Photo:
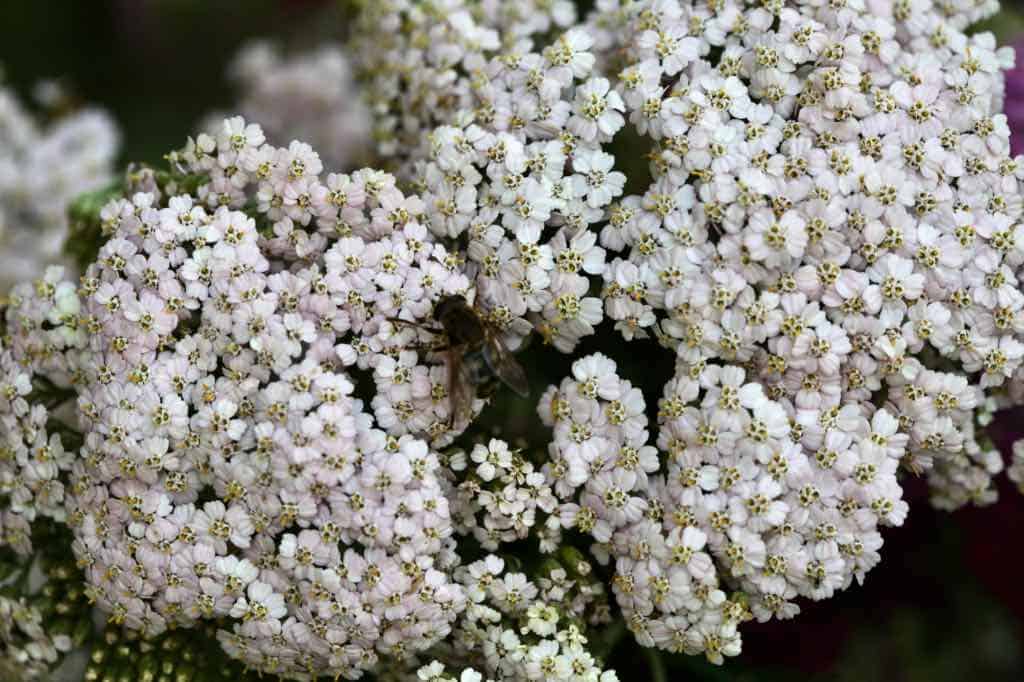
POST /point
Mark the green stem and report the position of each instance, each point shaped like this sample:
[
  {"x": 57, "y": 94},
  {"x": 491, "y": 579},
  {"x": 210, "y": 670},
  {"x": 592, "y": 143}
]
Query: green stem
[
  {"x": 656, "y": 664},
  {"x": 609, "y": 639}
]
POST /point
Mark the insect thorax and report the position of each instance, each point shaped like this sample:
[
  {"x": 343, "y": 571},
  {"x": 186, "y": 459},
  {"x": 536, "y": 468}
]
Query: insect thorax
[{"x": 460, "y": 321}]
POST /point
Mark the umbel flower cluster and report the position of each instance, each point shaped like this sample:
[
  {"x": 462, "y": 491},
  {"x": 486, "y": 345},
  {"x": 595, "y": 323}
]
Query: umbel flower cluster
[{"x": 257, "y": 413}]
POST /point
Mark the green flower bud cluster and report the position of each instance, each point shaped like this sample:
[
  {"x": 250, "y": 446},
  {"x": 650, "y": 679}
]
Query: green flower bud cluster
[
  {"x": 178, "y": 656},
  {"x": 62, "y": 602}
]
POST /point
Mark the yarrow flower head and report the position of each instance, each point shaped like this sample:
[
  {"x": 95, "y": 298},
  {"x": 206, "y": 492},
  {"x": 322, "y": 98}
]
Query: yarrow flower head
[
  {"x": 279, "y": 372},
  {"x": 227, "y": 468}
]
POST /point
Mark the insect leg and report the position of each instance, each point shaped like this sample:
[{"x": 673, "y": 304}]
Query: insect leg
[{"x": 418, "y": 325}]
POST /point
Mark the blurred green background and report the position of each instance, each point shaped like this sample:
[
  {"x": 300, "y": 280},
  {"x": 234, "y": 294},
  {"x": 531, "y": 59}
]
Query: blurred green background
[
  {"x": 947, "y": 603},
  {"x": 157, "y": 65}
]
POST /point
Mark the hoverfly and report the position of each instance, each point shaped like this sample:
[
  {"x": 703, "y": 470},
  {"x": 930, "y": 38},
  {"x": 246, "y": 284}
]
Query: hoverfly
[{"x": 475, "y": 353}]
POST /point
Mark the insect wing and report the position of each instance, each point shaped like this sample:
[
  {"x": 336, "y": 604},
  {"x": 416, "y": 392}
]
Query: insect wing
[
  {"x": 461, "y": 390},
  {"x": 504, "y": 365}
]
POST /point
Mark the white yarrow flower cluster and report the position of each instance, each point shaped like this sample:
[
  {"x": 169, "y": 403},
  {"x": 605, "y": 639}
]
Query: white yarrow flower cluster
[
  {"x": 832, "y": 207},
  {"x": 829, "y": 243},
  {"x": 32, "y": 457},
  {"x": 227, "y": 472},
  {"x": 421, "y": 59},
  {"x": 27, "y": 650},
  {"x": 521, "y": 180},
  {"x": 517, "y": 628}
]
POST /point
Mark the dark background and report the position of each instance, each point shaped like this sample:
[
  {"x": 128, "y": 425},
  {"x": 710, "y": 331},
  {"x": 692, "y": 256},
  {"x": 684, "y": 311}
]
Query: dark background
[
  {"x": 945, "y": 605},
  {"x": 158, "y": 66}
]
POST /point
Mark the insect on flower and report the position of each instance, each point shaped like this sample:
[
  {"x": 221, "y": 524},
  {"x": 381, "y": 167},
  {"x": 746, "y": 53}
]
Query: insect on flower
[{"x": 476, "y": 355}]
